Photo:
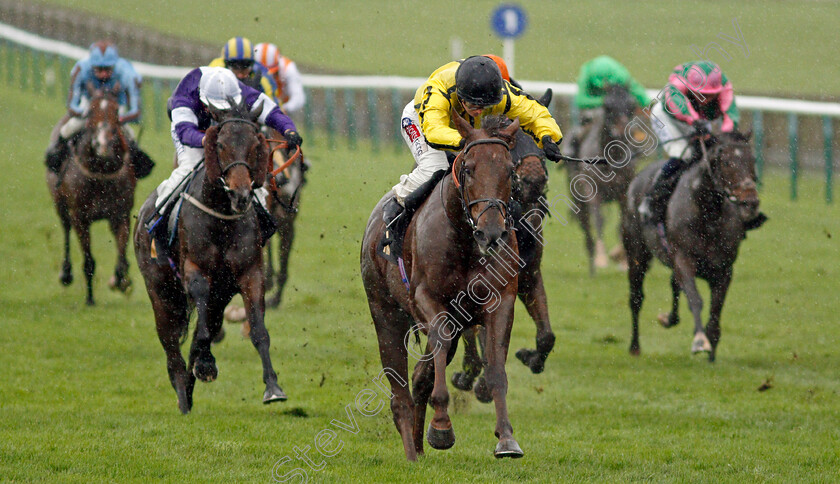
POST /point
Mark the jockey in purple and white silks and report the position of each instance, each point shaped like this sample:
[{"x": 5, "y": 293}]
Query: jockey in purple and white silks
[
  {"x": 205, "y": 86},
  {"x": 697, "y": 95}
]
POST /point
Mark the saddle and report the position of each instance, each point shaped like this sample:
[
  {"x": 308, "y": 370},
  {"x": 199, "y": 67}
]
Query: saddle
[{"x": 390, "y": 246}]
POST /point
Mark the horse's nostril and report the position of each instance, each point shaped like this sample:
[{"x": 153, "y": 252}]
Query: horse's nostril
[
  {"x": 504, "y": 235},
  {"x": 480, "y": 235}
]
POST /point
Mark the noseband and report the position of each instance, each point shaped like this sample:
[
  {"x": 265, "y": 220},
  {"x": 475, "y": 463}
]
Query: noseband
[
  {"x": 236, "y": 163},
  {"x": 459, "y": 178}
]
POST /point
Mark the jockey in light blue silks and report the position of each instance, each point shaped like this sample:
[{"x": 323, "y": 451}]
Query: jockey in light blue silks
[{"x": 103, "y": 70}]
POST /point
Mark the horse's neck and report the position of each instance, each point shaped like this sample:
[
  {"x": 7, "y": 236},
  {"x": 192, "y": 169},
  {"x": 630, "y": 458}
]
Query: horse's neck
[
  {"x": 453, "y": 208},
  {"x": 702, "y": 188}
]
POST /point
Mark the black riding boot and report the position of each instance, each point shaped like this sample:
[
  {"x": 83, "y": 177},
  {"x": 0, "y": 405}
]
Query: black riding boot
[
  {"x": 663, "y": 186},
  {"x": 141, "y": 161},
  {"x": 267, "y": 224},
  {"x": 57, "y": 153},
  {"x": 391, "y": 211}
]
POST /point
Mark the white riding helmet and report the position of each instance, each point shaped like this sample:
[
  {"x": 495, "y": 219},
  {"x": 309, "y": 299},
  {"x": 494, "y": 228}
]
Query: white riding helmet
[{"x": 217, "y": 84}]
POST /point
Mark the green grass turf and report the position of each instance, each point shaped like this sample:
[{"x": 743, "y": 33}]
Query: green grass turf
[
  {"x": 786, "y": 39},
  {"x": 84, "y": 395}
]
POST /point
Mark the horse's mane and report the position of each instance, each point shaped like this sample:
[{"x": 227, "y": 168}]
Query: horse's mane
[{"x": 494, "y": 124}]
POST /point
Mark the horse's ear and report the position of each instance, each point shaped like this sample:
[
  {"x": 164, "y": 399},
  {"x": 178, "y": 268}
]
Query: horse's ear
[
  {"x": 262, "y": 162},
  {"x": 211, "y": 154},
  {"x": 748, "y": 135},
  {"x": 215, "y": 112},
  {"x": 461, "y": 124},
  {"x": 545, "y": 100},
  {"x": 255, "y": 111},
  {"x": 116, "y": 89},
  {"x": 510, "y": 132}
]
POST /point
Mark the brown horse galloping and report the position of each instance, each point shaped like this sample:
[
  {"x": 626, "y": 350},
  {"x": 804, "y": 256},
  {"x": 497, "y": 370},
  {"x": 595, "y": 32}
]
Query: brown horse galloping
[
  {"x": 218, "y": 254},
  {"x": 705, "y": 221},
  {"x": 97, "y": 182},
  {"x": 459, "y": 239}
]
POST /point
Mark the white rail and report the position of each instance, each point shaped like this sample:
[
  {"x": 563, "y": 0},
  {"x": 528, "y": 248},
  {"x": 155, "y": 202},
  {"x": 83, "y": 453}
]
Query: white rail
[{"x": 36, "y": 42}]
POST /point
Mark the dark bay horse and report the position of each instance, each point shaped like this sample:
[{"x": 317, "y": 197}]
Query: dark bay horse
[
  {"x": 610, "y": 183},
  {"x": 284, "y": 207},
  {"x": 96, "y": 182},
  {"x": 705, "y": 222},
  {"x": 529, "y": 185},
  {"x": 458, "y": 256},
  {"x": 217, "y": 255}
]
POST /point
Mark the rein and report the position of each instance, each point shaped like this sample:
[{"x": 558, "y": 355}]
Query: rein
[
  {"x": 272, "y": 181},
  {"x": 466, "y": 204}
]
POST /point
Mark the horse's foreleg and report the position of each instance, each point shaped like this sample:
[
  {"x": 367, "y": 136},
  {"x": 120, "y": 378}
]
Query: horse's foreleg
[
  {"x": 443, "y": 334},
  {"x": 120, "y": 228},
  {"x": 583, "y": 217},
  {"x": 251, "y": 285},
  {"x": 202, "y": 364},
  {"x": 83, "y": 232},
  {"x": 66, "y": 275},
  {"x": 636, "y": 274},
  {"x": 463, "y": 380},
  {"x": 673, "y": 318},
  {"x": 499, "y": 323},
  {"x": 532, "y": 294},
  {"x": 720, "y": 286},
  {"x": 685, "y": 269},
  {"x": 601, "y": 260},
  {"x": 171, "y": 316}
]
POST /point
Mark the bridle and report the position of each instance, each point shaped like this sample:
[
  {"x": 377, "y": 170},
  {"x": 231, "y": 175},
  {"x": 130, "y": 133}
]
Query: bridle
[
  {"x": 222, "y": 180},
  {"x": 272, "y": 179},
  {"x": 717, "y": 186},
  {"x": 459, "y": 179}
]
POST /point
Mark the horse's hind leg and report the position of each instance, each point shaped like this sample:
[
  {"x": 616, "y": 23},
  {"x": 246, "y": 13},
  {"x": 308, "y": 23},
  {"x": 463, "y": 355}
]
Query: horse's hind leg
[
  {"x": 673, "y": 318},
  {"x": 463, "y": 380},
  {"x": 83, "y": 232},
  {"x": 720, "y": 285},
  {"x": 251, "y": 287},
  {"x": 532, "y": 294},
  {"x": 120, "y": 228},
  {"x": 286, "y": 237},
  {"x": 391, "y": 332},
  {"x": 269, "y": 266}
]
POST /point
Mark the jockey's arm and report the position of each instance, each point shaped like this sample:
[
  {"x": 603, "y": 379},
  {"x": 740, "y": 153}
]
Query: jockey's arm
[
  {"x": 132, "y": 94},
  {"x": 677, "y": 105},
  {"x": 293, "y": 89},
  {"x": 271, "y": 115},
  {"x": 185, "y": 125},
  {"x": 728, "y": 109},
  {"x": 534, "y": 118},
  {"x": 77, "y": 90}
]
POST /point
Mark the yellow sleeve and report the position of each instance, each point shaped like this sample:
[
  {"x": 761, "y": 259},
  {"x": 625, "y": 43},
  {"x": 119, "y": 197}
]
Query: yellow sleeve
[
  {"x": 435, "y": 119},
  {"x": 534, "y": 118}
]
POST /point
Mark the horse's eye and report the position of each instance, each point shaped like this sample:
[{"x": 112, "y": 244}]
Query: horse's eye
[{"x": 467, "y": 170}]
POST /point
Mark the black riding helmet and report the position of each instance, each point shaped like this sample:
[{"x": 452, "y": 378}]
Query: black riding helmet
[{"x": 478, "y": 81}]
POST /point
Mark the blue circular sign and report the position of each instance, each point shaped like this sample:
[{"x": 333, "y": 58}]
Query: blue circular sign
[{"x": 509, "y": 20}]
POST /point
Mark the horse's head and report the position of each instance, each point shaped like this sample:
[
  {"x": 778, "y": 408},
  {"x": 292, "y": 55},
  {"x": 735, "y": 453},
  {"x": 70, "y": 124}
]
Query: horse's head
[
  {"x": 483, "y": 173},
  {"x": 236, "y": 153},
  {"x": 531, "y": 180},
  {"x": 105, "y": 138},
  {"x": 732, "y": 167},
  {"x": 619, "y": 108}
]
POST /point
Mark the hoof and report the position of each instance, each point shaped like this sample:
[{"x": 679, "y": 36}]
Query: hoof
[
  {"x": 90, "y": 302},
  {"x": 440, "y": 439},
  {"x": 273, "y": 301},
  {"x": 235, "y": 314},
  {"x": 123, "y": 284},
  {"x": 635, "y": 350},
  {"x": 531, "y": 359},
  {"x": 462, "y": 381},
  {"x": 219, "y": 336},
  {"x": 183, "y": 407},
  {"x": 205, "y": 370},
  {"x": 668, "y": 320},
  {"x": 508, "y": 448},
  {"x": 273, "y": 393},
  {"x": 482, "y": 391},
  {"x": 66, "y": 275},
  {"x": 700, "y": 344}
]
